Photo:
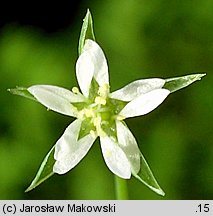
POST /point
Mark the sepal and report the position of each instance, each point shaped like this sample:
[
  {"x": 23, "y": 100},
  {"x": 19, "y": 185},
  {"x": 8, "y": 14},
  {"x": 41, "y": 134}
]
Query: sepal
[
  {"x": 177, "y": 83},
  {"x": 45, "y": 171},
  {"x": 86, "y": 31},
  {"x": 146, "y": 176},
  {"x": 22, "y": 91}
]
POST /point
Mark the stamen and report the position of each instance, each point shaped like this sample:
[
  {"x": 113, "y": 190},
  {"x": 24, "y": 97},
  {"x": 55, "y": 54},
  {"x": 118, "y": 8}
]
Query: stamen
[
  {"x": 93, "y": 133},
  {"x": 101, "y": 133},
  {"x": 75, "y": 90},
  {"x": 81, "y": 114},
  {"x": 103, "y": 91},
  {"x": 120, "y": 117},
  {"x": 100, "y": 100},
  {"x": 97, "y": 123},
  {"x": 89, "y": 113}
]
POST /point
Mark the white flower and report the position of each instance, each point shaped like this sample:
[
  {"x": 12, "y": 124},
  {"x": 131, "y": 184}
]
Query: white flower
[{"x": 99, "y": 113}]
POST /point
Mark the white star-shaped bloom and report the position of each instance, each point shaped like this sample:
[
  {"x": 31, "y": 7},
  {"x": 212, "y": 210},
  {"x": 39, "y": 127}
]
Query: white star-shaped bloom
[{"x": 99, "y": 113}]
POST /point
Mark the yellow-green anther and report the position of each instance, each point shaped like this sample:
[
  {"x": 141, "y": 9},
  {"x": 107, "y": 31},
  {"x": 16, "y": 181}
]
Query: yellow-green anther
[
  {"x": 75, "y": 90},
  {"x": 100, "y": 100},
  {"x": 120, "y": 117},
  {"x": 103, "y": 91}
]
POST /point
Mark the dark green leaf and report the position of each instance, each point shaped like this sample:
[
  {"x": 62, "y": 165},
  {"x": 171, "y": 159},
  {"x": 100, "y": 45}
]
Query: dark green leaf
[
  {"x": 176, "y": 83},
  {"x": 86, "y": 31},
  {"x": 22, "y": 91},
  {"x": 45, "y": 171},
  {"x": 146, "y": 176}
]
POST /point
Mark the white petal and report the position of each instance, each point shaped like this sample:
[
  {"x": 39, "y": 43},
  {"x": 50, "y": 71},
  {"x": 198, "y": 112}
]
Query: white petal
[
  {"x": 129, "y": 145},
  {"x": 115, "y": 158},
  {"x": 56, "y": 98},
  {"x": 69, "y": 150},
  {"x": 91, "y": 62},
  {"x": 84, "y": 72},
  {"x": 144, "y": 103},
  {"x": 136, "y": 88}
]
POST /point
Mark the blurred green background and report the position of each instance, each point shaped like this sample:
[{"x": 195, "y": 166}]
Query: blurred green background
[{"x": 141, "y": 38}]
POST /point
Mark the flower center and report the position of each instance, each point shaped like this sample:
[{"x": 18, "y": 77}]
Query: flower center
[{"x": 99, "y": 113}]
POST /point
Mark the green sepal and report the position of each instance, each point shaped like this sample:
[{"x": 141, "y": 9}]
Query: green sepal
[
  {"x": 117, "y": 105},
  {"x": 86, "y": 31},
  {"x": 176, "y": 83},
  {"x": 93, "y": 90},
  {"x": 86, "y": 127},
  {"x": 22, "y": 91},
  {"x": 45, "y": 171},
  {"x": 146, "y": 176}
]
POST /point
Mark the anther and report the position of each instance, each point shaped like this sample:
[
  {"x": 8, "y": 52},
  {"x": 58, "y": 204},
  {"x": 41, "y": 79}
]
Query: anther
[
  {"x": 103, "y": 90},
  {"x": 93, "y": 133},
  {"x": 75, "y": 90},
  {"x": 120, "y": 117},
  {"x": 100, "y": 100}
]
